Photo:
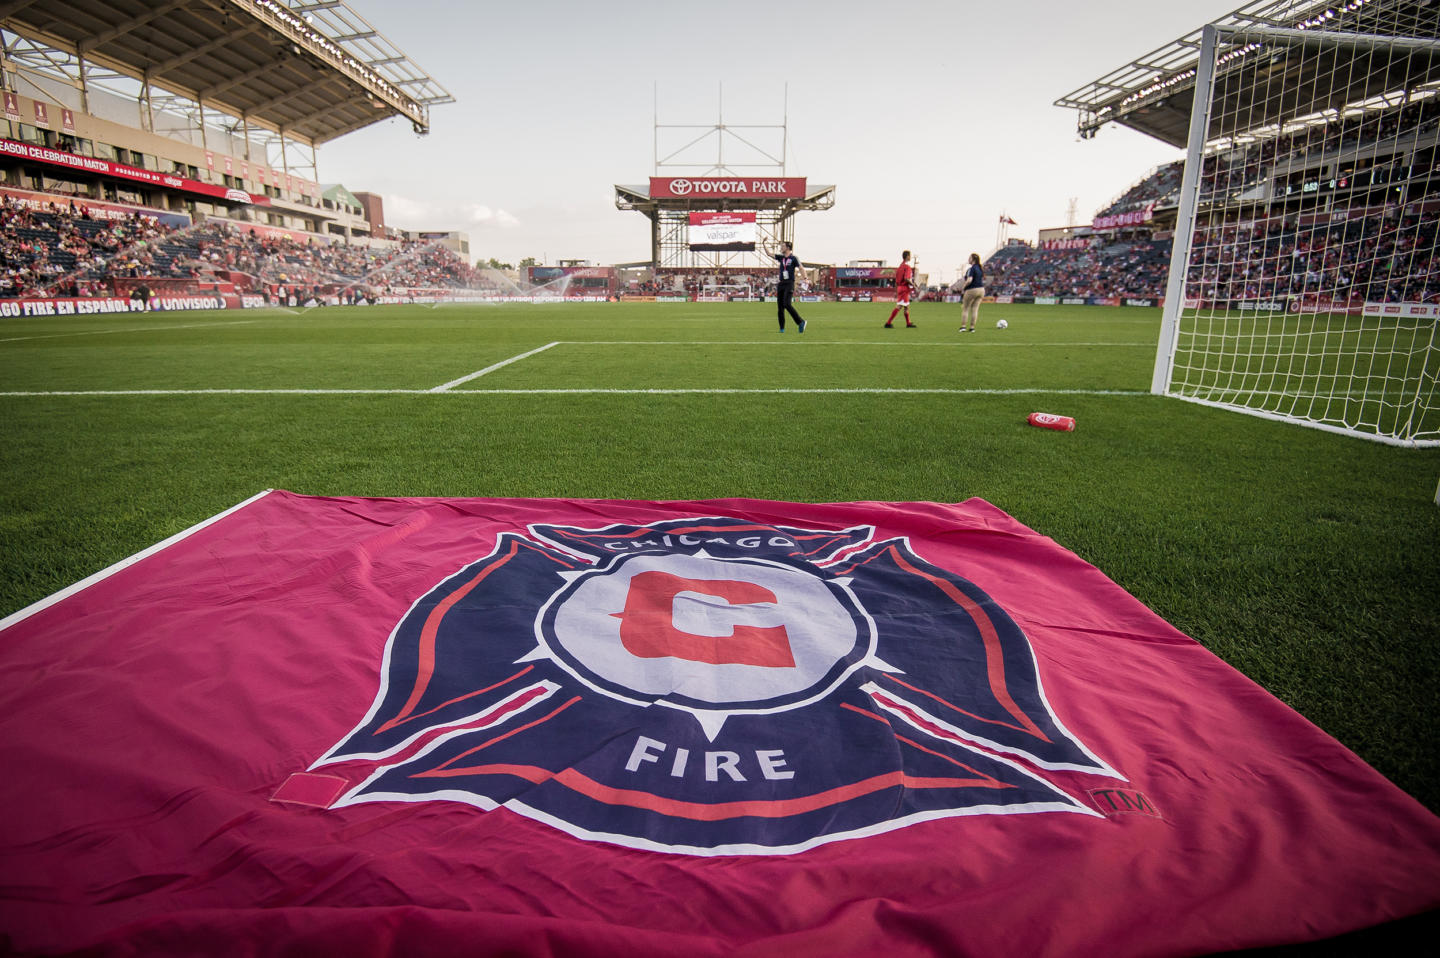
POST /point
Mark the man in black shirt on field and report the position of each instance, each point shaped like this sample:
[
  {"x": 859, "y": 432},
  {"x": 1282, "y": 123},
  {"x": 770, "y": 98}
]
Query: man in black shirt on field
[{"x": 785, "y": 288}]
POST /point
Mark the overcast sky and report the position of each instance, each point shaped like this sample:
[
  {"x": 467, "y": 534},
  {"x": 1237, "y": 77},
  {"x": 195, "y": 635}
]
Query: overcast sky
[{"x": 930, "y": 118}]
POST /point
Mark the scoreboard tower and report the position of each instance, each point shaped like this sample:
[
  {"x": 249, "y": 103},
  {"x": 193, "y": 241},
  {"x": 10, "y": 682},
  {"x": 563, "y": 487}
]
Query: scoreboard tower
[
  {"x": 720, "y": 221},
  {"x": 722, "y": 211}
]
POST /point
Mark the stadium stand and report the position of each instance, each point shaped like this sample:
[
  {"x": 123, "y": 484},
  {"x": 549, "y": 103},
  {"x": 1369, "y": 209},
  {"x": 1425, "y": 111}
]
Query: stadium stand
[
  {"x": 1104, "y": 271},
  {"x": 63, "y": 250},
  {"x": 247, "y": 229},
  {"x": 115, "y": 177},
  {"x": 1370, "y": 257},
  {"x": 1250, "y": 165},
  {"x": 1160, "y": 188}
]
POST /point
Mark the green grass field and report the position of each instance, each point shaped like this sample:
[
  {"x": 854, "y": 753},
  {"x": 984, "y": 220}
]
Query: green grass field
[
  {"x": 1309, "y": 561},
  {"x": 1372, "y": 374}
]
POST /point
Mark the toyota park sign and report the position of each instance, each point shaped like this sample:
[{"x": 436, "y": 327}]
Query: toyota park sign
[{"x": 732, "y": 187}]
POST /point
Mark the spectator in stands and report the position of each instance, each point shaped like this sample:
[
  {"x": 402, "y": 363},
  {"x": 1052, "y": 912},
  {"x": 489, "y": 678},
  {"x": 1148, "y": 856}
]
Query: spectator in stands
[{"x": 1382, "y": 254}]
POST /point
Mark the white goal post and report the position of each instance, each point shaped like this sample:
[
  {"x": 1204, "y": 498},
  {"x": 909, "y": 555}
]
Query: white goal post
[
  {"x": 729, "y": 290},
  {"x": 1304, "y": 283}
]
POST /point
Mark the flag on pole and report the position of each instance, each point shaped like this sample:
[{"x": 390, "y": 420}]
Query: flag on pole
[
  {"x": 1006, "y": 220},
  {"x": 723, "y": 727}
]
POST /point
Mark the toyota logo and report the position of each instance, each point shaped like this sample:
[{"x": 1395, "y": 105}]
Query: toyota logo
[{"x": 681, "y": 187}]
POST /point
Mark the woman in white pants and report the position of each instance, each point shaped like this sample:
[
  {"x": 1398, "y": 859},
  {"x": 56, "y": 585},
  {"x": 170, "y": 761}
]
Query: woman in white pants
[{"x": 972, "y": 291}]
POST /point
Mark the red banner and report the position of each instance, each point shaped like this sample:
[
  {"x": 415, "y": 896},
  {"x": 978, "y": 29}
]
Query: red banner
[
  {"x": 97, "y": 209},
  {"x": 91, "y": 164},
  {"x": 1133, "y": 218},
  {"x": 725, "y": 727},
  {"x": 733, "y": 187},
  {"x": 721, "y": 219},
  {"x": 276, "y": 232},
  {"x": 1395, "y": 310},
  {"x": 89, "y": 306}
]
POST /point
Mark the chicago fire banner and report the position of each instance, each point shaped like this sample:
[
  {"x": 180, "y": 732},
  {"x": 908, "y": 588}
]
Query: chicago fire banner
[{"x": 724, "y": 727}]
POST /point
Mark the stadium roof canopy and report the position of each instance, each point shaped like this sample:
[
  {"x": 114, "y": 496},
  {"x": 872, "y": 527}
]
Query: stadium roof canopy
[
  {"x": 311, "y": 70},
  {"x": 1154, "y": 93}
]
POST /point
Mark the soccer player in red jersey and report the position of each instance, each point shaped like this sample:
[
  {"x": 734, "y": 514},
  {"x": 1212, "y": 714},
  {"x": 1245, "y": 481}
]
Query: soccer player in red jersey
[{"x": 904, "y": 283}]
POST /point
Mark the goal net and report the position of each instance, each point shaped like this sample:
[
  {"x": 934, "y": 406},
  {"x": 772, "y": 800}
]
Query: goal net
[{"x": 1305, "y": 280}]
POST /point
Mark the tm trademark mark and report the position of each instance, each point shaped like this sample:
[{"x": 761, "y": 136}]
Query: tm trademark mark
[{"x": 1120, "y": 801}]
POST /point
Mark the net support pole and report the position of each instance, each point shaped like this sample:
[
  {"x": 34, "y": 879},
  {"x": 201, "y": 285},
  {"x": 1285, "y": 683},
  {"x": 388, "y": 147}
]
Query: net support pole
[{"x": 1185, "y": 216}]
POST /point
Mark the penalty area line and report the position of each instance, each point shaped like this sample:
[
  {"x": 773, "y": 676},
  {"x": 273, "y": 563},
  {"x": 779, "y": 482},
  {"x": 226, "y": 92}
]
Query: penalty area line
[
  {"x": 490, "y": 369},
  {"x": 108, "y": 571}
]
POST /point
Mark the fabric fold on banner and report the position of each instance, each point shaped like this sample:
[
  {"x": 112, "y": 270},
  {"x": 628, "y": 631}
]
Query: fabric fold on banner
[{"x": 327, "y": 725}]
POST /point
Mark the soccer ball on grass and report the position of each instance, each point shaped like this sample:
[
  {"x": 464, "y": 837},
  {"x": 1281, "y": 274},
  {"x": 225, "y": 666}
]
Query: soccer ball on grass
[{"x": 1001, "y": 324}]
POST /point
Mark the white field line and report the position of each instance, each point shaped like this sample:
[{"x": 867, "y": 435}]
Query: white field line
[
  {"x": 448, "y": 388},
  {"x": 962, "y": 344},
  {"x": 718, "y": 391},
  {"x": 108, "y": 571},
  {"x": 864, "y": 390},
  {"x": 490, "y": 369},
  {"x": 129, "y": 329}
]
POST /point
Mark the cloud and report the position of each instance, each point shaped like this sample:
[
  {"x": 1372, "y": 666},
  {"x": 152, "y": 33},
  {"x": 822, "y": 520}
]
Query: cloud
[
  {"x": 410, "y": 213},
  {"x": 403, "y": 210},
  {"x": 482, "y": 215}
]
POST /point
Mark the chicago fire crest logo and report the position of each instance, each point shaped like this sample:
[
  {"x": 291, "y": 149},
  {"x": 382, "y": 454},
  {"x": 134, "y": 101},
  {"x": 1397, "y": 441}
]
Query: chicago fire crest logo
[{"x": 713, "y": 686}]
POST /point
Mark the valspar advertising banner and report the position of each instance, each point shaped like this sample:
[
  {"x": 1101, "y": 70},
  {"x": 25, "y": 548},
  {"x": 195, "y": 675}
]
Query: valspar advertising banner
[
  {"x": 735, "y": 187},
  {"x": 722, "y": 231}
]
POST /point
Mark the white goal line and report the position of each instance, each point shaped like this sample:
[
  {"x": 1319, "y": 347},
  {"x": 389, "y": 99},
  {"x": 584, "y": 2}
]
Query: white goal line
[
  {"x": 815, "y": 341},
  {"x": 580, "y": 391},
  {"x": 449, "y": 387}
]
